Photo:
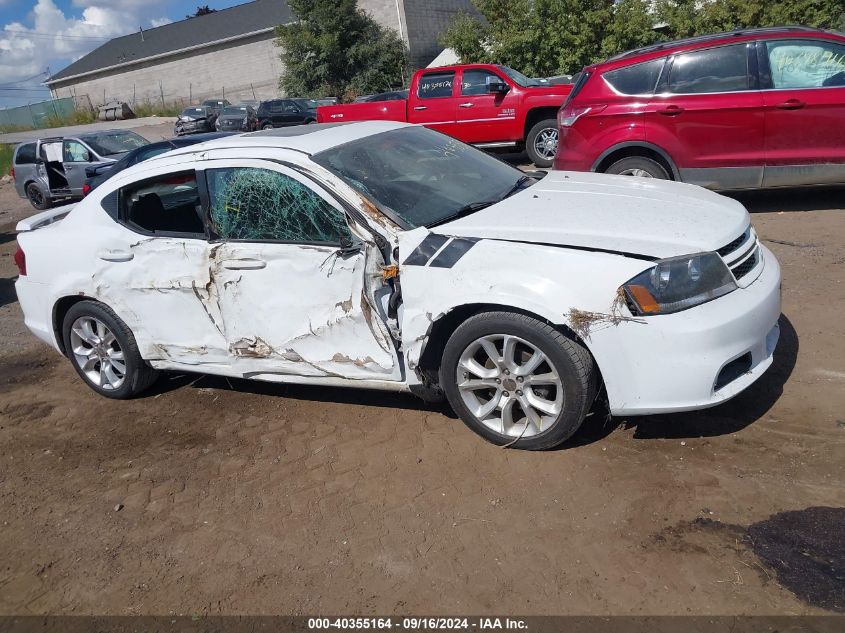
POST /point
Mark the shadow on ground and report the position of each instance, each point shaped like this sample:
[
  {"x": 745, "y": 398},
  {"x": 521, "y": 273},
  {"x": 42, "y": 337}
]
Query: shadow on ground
[
  {"x": 791, "y": 200},
  {"x": 730, "y": 417},
  {"x": 7, "y": 292}
]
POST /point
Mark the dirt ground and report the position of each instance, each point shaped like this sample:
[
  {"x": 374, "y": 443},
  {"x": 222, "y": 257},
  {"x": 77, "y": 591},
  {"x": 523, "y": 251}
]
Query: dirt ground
[{"x": 210, "y": 496}]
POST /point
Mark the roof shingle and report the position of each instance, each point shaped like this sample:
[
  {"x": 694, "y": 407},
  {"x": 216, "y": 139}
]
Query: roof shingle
[{"x": 204, "y": 29}]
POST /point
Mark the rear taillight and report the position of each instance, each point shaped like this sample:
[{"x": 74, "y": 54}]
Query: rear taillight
[
  {"x": 20, "y": 261},
  {"x": 86, "y": 189},
  {"x": 568, "y": 115},
  {"x": 12, "y": 172}
]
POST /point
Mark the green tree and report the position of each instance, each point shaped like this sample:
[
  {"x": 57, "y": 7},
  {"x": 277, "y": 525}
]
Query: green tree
[
  {"x": 547, "y": 37},
  {"x": 336, "y": 49},
  {"x": 689, "y": 17}
]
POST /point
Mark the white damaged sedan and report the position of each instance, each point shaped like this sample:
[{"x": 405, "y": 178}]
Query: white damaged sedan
[{"x": 386, "y": 256}]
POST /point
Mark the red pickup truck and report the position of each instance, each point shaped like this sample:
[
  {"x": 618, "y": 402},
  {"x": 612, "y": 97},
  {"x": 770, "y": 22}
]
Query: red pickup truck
[{"x": 489, "y": 106}]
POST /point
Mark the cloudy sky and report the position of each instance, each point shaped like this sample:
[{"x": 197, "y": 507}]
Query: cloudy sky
[{"x": 39, "y": 34}]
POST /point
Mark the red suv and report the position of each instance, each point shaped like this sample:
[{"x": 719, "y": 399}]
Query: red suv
[{"x": 747, "y": 109}]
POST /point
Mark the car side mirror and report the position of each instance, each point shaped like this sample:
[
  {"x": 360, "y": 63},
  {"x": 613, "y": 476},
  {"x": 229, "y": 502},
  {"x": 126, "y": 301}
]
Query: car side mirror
[
  {"x": 496, "y": 86},
  {"x": 349, "y": 245}
]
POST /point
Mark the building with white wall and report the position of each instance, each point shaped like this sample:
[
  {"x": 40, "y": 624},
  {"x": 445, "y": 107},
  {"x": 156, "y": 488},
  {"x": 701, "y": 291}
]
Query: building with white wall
[{"x": 230, "y": 53}]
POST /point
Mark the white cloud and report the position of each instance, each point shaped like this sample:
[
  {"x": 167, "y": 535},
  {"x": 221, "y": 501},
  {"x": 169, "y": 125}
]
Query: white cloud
[{"x": 57, "y": 38}]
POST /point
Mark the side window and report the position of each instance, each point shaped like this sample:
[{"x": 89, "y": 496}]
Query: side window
[
  {"x": 436, "y": 85},
  {"x": 263, "y": 205},
  {"x": 474, "y": 82},
  {"x": 164, "y": 204},
  {"x": 25, "y": 155},
  {"x": 806, "y": 64},
  {"x": 640, "y": 79},
  {"x": 723, "y": 69},
  {"x": 275, "y": 107},
  {"x": 289, "y": 107},
  {"x": 75, "y": 152}
]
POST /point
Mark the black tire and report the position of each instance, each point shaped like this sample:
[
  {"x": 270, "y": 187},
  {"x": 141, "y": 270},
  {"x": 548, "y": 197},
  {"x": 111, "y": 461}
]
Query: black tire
[
  {"x": 139, "y": 376},
  {"x": 37, "y": 198},
  {"x": 652, "y": 168},
  {"x": 267, "y": 126},
  {"x": 569, "y": 357},
  {"x": 541, "y": 160}
]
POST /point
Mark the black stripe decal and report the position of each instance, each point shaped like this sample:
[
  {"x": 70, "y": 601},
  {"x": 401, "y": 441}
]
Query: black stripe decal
[
  {"x": 456, "y": 249},
  {"x": 426, "y": 250},
  {"x": 588, "y": 249}
]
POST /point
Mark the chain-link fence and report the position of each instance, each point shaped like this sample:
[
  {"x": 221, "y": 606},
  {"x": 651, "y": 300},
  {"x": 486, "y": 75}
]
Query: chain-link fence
[{"x": 36, "y": 115}]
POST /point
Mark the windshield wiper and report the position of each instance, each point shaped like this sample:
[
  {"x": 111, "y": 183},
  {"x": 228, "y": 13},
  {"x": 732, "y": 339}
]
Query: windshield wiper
[
  {"x": 465, "y": 210},
  {"x": 518, "y": 186},
  {"x": 472, "y": 207}
]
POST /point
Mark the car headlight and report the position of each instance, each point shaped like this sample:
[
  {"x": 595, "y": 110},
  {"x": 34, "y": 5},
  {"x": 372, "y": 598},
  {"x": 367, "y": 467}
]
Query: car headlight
[{"x": 678, "y": 283}]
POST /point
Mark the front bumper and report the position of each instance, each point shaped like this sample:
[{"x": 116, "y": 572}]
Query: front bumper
[{"x": 673, "y": 362}]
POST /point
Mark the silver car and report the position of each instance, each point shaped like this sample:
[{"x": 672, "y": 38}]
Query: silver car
[{"x": 55, "y": 168}]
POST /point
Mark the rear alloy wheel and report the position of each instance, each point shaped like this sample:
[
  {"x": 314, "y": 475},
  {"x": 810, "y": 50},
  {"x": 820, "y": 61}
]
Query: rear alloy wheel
[
  {"x": 267, "y": 126},
  {"x": 541, "y": 143},
  {"x": 638, "y": 166},
  {"x": 36, "y": 197},
  {"x": 518, "y": 381},
  {"x": 104, "y": 352}
]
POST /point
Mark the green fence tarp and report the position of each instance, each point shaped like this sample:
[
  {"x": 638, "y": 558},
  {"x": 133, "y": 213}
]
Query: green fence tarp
[{"x": 35, "y": 115}]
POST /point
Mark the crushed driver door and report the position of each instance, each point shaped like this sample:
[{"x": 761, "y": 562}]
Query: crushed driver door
[{"x": 292, "y": 301}]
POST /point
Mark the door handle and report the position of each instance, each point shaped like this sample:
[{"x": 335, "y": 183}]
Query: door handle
[
  {"x": 118, "y": 255},
  {"x": 671, "y": 110},
  {"x": 791, "y": 104},
  {"x": 244, "y": 264},
  {"x": 465, "y": 105},
  {"x": 420, "y": 107},
  {"x": 67, "y": 166}
]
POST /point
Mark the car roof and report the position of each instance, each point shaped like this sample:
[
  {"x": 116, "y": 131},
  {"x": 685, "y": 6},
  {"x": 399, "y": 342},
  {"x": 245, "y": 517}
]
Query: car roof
[
  {"x": 307, "y": 139},
  {"x": 660, "y": 49}
]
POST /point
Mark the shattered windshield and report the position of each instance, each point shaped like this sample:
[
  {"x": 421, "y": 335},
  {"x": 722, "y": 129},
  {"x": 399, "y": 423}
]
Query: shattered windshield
[
  {"x": 111, "y": 143},
  {"x": 233, "y": 111},
  {"x": 196, "y": 111},
  {"x": 420, "y": 176}
]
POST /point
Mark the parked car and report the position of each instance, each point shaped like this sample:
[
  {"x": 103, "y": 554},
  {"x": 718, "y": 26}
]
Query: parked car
[
  {"x": 326, "y": 101},
  {"x": 387, "y": 256},
  {"x": 492, "y": 107},
  {"x": 216, "y": 104},
  {"x": 195, "y": 119},
  {"x": 99, "y": 174},
  {"x": 740, "y": 110},
  {"x": 237, "y": 119},
  {"x": 52, "y": 169},
  {"x": 394, "y": 95},
  {"x": 286, "y": 112}
]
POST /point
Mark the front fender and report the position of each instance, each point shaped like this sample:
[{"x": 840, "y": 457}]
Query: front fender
[{"x": 557, "y": 284}]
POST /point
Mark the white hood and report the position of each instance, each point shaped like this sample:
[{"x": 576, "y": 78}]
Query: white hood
[{"x": 644, "y": 216}]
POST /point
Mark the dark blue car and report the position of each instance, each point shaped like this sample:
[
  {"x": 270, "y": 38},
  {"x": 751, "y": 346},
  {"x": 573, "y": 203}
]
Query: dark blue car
[{"x": 96, "y": 176}]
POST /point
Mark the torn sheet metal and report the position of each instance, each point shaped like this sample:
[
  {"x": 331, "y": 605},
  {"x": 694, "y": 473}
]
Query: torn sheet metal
[{"x": 300, "y": 310}]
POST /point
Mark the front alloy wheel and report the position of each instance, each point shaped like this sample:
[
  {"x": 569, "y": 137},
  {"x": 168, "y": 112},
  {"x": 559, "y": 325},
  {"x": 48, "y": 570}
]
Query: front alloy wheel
[
  {"x": 541, "y": 143},
  {"x": 509, "y": 385},
  {"x": 516, "y": 380}
]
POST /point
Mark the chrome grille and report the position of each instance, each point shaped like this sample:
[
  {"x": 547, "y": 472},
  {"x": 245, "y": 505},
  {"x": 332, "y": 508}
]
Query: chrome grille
[
  {"x": 742, "y": 254},
  {"x": 741, "y": 270},
  {"x": 730, "y": 247}
]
